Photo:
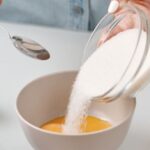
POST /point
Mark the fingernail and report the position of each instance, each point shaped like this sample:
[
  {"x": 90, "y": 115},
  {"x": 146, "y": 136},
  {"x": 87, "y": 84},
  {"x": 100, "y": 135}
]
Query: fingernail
[{"x": 113, "y": 7}]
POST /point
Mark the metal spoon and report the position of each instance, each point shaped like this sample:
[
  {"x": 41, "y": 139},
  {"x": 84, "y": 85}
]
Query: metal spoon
[{"x": 28, "y": 46}]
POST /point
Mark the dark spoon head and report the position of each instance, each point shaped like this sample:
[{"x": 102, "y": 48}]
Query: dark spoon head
[{"x": 30, "y": 48}]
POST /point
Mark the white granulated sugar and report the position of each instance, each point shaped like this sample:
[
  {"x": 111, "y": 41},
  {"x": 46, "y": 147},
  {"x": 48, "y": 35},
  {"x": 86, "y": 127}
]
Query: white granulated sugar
[{"x": 101, "y": 71}]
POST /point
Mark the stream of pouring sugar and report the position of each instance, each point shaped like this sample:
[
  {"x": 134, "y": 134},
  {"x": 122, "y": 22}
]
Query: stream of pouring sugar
[{"x": 100, "y": 72}]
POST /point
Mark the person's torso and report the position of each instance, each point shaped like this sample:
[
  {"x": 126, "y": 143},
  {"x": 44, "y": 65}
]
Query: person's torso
[{"x": 70, "y": 14}]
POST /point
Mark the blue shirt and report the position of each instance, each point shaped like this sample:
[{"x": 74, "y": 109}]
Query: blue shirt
[{"x": 70, "y": 14}]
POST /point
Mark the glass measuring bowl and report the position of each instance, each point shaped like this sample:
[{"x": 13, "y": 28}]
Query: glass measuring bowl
[{"x": 105, "y": 27}]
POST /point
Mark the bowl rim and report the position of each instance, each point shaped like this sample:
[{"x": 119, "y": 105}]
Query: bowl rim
[{"x": 38, "y": 129}]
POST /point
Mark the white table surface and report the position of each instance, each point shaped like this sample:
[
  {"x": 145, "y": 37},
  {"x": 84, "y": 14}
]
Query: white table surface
[{"x": 16, "y": 70}]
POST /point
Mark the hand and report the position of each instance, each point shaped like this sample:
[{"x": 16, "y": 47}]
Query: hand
[
  {"x": 131, "y": 20},
  {"x": 0, "y": 1}
]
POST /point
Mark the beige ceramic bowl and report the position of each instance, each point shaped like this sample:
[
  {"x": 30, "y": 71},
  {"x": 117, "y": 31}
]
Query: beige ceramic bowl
[{"x": 47, "y": 98}]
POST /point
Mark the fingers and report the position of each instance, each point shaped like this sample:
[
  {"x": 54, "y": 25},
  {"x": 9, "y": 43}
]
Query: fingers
[
  {"x": 140, "y": 3},
  {"x": 129, "y": 22},
  {"x": 106, "y": 37},
  {"x": 143, "y": 5}
]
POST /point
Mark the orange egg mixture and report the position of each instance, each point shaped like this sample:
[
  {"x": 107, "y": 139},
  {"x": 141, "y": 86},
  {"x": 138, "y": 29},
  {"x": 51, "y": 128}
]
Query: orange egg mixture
[{"x": 91, "y": 124}]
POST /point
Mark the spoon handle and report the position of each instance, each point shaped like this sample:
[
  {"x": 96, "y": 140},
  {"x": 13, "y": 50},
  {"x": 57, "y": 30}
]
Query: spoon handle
[{"x": 6, "y": 31}]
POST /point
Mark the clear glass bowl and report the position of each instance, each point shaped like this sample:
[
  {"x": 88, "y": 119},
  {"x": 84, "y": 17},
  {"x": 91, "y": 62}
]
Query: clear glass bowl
[{"x": 106, "y": 27}]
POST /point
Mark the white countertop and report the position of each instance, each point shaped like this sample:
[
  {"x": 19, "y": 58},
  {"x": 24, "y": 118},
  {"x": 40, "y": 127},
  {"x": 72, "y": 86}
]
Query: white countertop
[{"x": 16, "y": 70}]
